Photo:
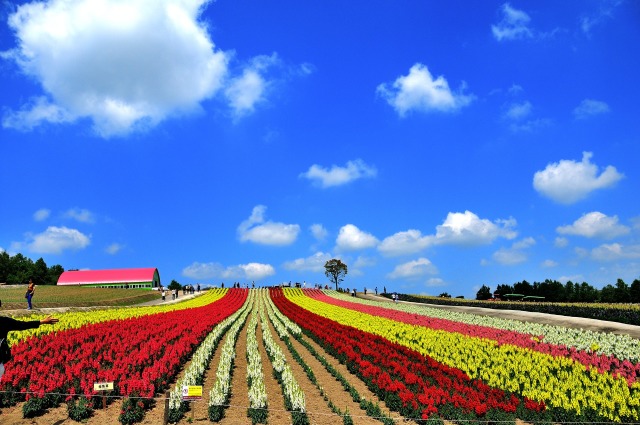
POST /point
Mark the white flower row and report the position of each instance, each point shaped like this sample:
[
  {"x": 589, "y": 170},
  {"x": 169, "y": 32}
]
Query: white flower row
[
  {"x": 622, "y": 347},
  {"x": 257, "y": 390},
  {"x": 292, "y": 327},
  {"x": 291, "y": 389},
  {"x": 202, "y": 356},
  {"x": 219, "y": 394}
]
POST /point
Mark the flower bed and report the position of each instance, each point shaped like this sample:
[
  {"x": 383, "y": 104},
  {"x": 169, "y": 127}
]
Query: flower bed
[
  {"x": 558, "y": 382},
  {"x": 140, "y": 355},
  {"x": 614, "y": 352}
]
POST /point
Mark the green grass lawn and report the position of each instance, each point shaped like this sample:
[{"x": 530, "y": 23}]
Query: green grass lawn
[{"x": 12, "y": 296}]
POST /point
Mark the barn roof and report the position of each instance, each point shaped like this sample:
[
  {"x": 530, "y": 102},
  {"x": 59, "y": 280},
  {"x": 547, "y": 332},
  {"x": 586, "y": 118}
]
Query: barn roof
[{"x": 81, "y": 277}]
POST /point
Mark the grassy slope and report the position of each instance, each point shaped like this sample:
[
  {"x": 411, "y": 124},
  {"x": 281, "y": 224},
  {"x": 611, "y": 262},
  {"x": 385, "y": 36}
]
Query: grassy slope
[{"x": 67, "y": 296}]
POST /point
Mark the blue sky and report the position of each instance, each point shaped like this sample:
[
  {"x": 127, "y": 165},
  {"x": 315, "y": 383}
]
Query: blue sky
[{"x": 432, "y": 146}]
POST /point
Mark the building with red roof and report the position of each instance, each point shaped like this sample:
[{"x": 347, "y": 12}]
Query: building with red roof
[{"x": 147, "y": 278}]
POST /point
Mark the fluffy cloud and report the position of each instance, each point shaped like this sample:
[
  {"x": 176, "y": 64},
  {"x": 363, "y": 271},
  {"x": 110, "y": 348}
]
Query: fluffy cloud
[
  {"x": 42, "y": 214},
  {"x": 595, "y": 225},
  {"x": 549, "y": 263},
  {"x": 590, "y": 107},
  {"x": 251, "y": 271},
  {"x": 351, "y": 238},
  {"x": 413, "y": 269},
  {"x": 436, "y": 281},
  {"x": 255, "y": 229},
  {"x": 515, "y": 254},
  {"x": 561, "y": 242},
  {"x": 338, "y": 176},
  {"x": 81, "y": 215},
  {"x": 514, "y": 24},
  {"x": 469, "y": 229},
  {"x": 420, "y": 92},
  {"x": 248, "y": 89},
  {"x": 568, "y": 181},
  {"x": 615, "y": 251},
  {"x": 114, "y": 248},
  {"x": 518, "y": 111},
  {"x": 124, "y": 65},
  {"x": 314, "y": 263},
  {"x": 408, "y": 242},
  {"x": 54, "y": 240},
  {"x": 318, "y": 231}
]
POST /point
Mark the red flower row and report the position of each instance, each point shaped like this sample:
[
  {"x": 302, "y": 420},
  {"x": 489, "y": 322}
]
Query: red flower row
[
  {"x": 140, "y": 355},
  {"x": 417, "y": 385},
  {"x": 602, "y": 362}
]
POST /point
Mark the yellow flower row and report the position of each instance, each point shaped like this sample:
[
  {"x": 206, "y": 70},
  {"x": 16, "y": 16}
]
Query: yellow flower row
[
  {"x": 77, "y": 319},
  {"x": 558, "y": 381}
]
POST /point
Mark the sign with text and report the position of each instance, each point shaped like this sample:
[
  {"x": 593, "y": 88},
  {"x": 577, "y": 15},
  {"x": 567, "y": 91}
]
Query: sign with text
[
  {"x": 102, "y": 386},
  {"x": 191, "y": 392}
]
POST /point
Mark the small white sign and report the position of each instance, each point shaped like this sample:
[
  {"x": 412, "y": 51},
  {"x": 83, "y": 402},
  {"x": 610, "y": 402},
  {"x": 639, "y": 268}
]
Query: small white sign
[{"x": 102, "y": 386}]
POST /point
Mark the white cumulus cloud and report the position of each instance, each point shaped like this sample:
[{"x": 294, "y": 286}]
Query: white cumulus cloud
[
  {"x": 42, "y": 214},
  {"x": 515, "y": 254},
  {"x": 338, "y": 176},
  {"x": 514, "y": 24},
  {"x": 114, "y": 248},
  {"x": 615, "y": 251},
  {"x": 413, "y": 269},
  {"x": 418, "y": 91},
  {"x": 518, "y": 111},
  {"x": 407, "y": 242},
  {"x": 351, "y": 238},
  {"x": 251, "y": 271},
  {"x": 590, "y": 107},
  {"x": 255, "y": 229},
  {"x": 81, "y": 215},
  {"x": 55, "y": 240},
  {"x": 318, "y": 231},
  {"x": 469, "y": 229},
  {"x": 595, "y": 225},
  {"x": 314, "y": 263},
  {"x": 569, "y": 181},
  {"x": 123, "y": 64},
  {"x": 245, "y": 91}
]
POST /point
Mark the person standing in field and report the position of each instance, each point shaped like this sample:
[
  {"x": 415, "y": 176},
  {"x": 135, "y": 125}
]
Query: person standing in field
[
  {"x": 31, "y": 289},
  {"x": 9, "y": 324}
]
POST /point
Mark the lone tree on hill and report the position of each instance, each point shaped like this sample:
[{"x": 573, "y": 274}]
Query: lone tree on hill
[{"x": 335, "y": 270}]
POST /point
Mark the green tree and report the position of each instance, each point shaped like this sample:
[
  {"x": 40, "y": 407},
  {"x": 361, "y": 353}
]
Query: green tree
[
  {"x": 40, "y": 271},
  {"x": 622, "y": 292},
  {"x": 608, "y": 294},
  {"x": 20, "y": 269},
  {"x": 504, "y": 289},
  {"x": 335, "y": 270},
  {"x": 175, "y": 285},
  {"x": 5, "y": 265},
  {"x": 53, "y": 274},
  {"x": 445, "y": 295},
  {"x": 484, "y": 293},
  {"x": 634, "y": 291},
  {"x": 523, "y": 288}
]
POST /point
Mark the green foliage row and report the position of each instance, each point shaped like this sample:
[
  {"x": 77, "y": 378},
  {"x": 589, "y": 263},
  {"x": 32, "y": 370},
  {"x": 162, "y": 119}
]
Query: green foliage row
[
  {"x": 18, "y": 269},
  {"x": 629, "y": 314}
]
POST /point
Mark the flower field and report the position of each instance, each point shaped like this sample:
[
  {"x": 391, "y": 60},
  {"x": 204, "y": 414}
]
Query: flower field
[{"x": 314, "y": 357}]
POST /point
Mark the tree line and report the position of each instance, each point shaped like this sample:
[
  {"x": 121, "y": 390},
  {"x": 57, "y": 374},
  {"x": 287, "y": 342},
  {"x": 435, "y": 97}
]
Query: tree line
[
  {"x": 555, "y": 291},
  {"x": 18, "y": 269}
]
